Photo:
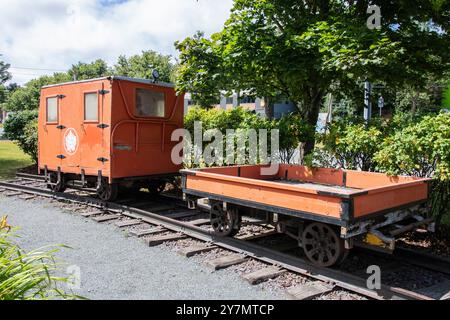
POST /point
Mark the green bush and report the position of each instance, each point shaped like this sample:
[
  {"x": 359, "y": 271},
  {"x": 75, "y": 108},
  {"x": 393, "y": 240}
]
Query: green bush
[
  {"x": 292, "y": 129},
  {"x": 423, "y": 150},
  {"x": 28, "y": 275},
  {"x": 29, "y": 144},
  {"x": 21, "y": 127},
  {"x": 350, "y": 145}
]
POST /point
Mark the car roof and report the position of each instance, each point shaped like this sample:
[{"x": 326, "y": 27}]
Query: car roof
[{"x": 112, "y": 78}]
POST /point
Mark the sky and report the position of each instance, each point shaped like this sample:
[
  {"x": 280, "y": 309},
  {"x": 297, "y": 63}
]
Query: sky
[{"x": 54, "y": 34}]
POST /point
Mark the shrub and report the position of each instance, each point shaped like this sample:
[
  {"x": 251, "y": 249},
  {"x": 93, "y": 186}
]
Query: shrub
[
  {"x": 350, "y": 145},
  {"x": 22, "y": 128},
  {"x": 292, "y": 129},
  {"x": 29, "y": 143},
  {"x": 28, "y": 275},
  {"x": 423, "y": 150}
]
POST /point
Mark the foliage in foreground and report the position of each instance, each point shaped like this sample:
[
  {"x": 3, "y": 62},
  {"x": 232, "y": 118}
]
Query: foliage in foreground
[{"x": 28, "y": 275}]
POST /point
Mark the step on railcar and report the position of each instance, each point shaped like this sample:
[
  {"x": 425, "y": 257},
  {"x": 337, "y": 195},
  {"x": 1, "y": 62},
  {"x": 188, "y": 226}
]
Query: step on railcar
[
  {"x": 108, "y": 133},
  {"x": 327, "y": 211}
]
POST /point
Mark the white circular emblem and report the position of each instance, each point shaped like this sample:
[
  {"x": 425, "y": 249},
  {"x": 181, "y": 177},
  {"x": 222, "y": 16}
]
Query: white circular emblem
[{"x": 71, "y": 141}]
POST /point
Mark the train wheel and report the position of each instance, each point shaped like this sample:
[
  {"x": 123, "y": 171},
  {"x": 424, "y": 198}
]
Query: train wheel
[
  {"x": 108, "y": 192},
  {"x": 225, "y": 223},
  {"x": 322, "y": 245},
  {"x": 156, "y": 187},
  {"x": 56, "y": 186}
]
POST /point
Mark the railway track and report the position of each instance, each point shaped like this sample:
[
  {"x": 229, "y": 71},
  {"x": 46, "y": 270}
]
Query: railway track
[{"x": 161, "y": 220}]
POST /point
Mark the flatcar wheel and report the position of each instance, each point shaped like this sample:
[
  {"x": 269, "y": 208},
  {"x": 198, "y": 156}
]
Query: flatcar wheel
[
  {"x": 56, "y": 186},
  {"x": 108, "y": 192},
  {"x": 225, "y": 223},
  {"x": 322, "y": 245}
]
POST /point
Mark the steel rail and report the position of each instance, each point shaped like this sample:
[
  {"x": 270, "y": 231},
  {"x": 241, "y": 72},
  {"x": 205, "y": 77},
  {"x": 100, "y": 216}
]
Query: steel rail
[{"x": 298, "y": 265}]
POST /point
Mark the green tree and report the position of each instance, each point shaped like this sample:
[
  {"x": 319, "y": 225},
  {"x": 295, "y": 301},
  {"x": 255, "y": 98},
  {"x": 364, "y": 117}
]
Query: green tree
[
  {"x": 303, "y": 50},
  {"x": 27, "y": 97},
  {"x": 83, "y": 71},
  {"x": 4, "y": 74},
  {"x": 21, "y": 127},
  {"x": 200, "y": 71},
  {"x": 3, "y": 94},
  {"x": 142, "y": 66}
]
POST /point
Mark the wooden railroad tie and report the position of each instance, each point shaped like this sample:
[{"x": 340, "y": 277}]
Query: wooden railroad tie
[
  {"x": 27, "y": 197},
  {"x": 159, "y": 239},
  {"x": 263, "y": 234},
  {"x": 146, "y": 232},
  {"x": 128, "y": 223},
  {"x": 193, "y": 250},
  {"x": 107, "y": 217},
  {"x": 226, "y": 261},
  {"x": 310, "y": 290},
  {"x": 263, "y": 274},
  {"x": 12, "y": 193},
  {"x": 88, "y": 214},
  {"x": 179, "y": 215}
]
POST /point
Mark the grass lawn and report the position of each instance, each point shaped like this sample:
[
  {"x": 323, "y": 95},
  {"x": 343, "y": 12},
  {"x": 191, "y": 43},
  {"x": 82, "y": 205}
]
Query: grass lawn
[{"x": 11, "y": 159}]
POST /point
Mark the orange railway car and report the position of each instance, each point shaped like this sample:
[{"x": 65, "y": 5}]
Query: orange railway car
[
  {"x": 108, "y": 133},
  {"x": 326, "y": 210}
]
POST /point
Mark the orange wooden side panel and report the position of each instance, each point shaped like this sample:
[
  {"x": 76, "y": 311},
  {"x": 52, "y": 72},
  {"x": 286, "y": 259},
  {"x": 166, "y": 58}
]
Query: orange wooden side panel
[
  {"x": 270, "y": 194},
  {"x": 132, "y": 146},
  {"x": 143, "y": 146},
  {"x": 367, "y": 180},
  {"x": 380, "y": 200},
  {"x": 316, "y": 175},
  {"x": 91, "y": 142},
  {"x": 370, "y": 192}
]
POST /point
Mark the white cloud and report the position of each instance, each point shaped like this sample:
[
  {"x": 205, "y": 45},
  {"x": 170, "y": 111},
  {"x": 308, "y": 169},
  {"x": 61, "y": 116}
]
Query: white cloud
[{"x": 54, "y": 34}]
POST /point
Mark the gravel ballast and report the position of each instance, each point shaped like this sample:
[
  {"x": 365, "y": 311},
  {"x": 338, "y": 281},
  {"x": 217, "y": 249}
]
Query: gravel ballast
[{"x": 114, "y": 266}]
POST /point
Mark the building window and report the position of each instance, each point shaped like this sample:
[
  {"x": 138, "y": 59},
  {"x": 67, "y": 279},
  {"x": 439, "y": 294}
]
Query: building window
[
  {"x": 246, "y": 99},
  {"x": 91, "y": 107},
  {"x": 229, "y": 100},
  {"x": 150, "y": 103},
  {"x": 52, "y": 110}
]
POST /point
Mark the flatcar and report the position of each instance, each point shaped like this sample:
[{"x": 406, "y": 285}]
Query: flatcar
[
  {"x": 108, "y": 133},
  {"x": 326, "y": 211}
]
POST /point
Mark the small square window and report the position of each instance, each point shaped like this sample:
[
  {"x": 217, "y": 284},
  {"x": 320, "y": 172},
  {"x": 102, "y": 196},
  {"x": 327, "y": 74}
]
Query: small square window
[
  {"x": 52, "y": 110},
  {"x": 90, "y": 107},
  {"x": 150, "y": 103}
]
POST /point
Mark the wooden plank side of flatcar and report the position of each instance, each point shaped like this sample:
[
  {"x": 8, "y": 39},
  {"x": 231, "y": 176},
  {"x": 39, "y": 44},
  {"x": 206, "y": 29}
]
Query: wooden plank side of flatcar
[
  {"x": 338, "y": 194},
  {"x": 388, "y": 198},
  {"x": 267, "y": 193}
]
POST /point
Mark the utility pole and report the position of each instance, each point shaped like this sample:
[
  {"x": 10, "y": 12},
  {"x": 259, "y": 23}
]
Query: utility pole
[
  {"x": 380, "y": 104},
  {"x": 367, "y": 103}
]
